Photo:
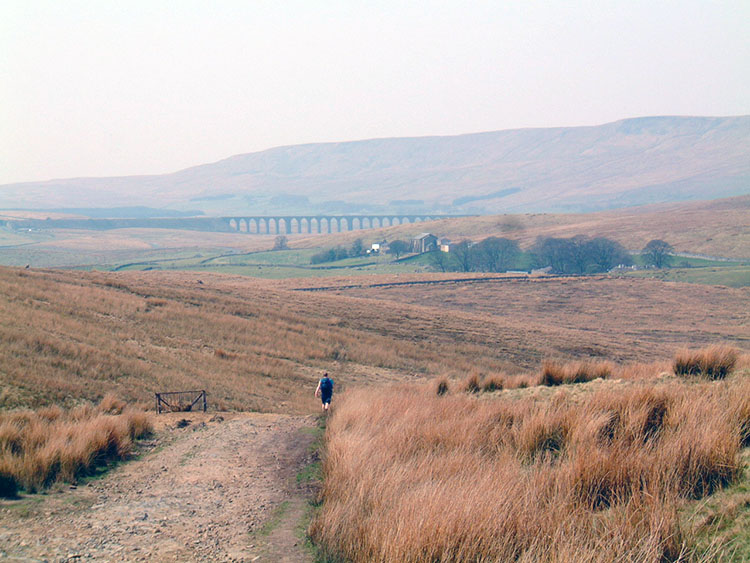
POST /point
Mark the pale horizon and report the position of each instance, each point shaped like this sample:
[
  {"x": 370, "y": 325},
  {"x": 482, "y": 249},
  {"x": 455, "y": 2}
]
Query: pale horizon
[{"x": 148, "y": 88}]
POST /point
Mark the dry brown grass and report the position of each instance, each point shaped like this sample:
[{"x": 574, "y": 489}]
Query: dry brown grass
[
  {"x": 39, "y": 448},
  {"x": 260, "y": 345},
  {"x": 643, "y": 370},
  {"x": 713, "y": 362},
  {"x": 68, "y": 335},
  {"x": 588, "y": 318},
  {"x": 558, "y": 373},
  {"x": 410, "y": 476}
]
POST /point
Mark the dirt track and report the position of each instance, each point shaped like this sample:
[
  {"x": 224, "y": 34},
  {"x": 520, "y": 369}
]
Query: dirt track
[{"x": 214, "y": 490}]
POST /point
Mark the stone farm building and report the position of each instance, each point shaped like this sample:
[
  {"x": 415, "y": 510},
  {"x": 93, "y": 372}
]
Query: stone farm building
[{"x": 426, "y": 242}]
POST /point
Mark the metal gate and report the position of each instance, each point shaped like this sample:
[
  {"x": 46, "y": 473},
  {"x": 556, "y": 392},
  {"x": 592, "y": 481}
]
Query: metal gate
[{"x": 181, "y": 401}]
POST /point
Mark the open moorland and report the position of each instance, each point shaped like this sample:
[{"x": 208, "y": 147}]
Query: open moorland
[
  {"x": 551, "y": 401},
  {"x": 70, "y": 337},
  {"x": 259, "y": 345}
]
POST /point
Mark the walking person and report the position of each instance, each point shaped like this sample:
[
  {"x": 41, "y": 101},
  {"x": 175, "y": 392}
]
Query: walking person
[{"x": 325, "y": 391}]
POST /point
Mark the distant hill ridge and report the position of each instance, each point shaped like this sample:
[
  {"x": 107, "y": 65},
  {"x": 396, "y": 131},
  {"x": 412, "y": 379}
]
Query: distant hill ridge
[{"x": 620, "y": 164}]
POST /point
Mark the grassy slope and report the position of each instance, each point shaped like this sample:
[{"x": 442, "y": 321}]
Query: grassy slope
[
  {"x": 256, "y": 344},
  {"x": 621, "y": 319}
]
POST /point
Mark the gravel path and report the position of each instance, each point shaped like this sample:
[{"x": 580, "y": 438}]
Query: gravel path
[{"x": 222, "y": 488}]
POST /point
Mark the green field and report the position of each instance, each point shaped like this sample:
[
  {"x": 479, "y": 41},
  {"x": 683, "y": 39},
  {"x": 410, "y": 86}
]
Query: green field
[
  {"x": 181, "y": 251},
  {"x": 10, "y": 238},
  {"x": 293, "y": 263}
]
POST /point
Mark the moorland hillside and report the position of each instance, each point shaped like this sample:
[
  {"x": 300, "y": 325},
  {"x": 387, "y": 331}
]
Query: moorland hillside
[
  {"x": 260, "y": 345},
  {"x": 620, "y": 164}
]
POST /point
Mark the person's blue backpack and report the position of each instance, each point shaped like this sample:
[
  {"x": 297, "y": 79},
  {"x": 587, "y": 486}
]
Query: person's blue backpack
[{"x": 326, "y": 385}]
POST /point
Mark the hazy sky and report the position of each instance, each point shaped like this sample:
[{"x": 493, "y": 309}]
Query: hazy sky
[{"x": 113, "y": 88}]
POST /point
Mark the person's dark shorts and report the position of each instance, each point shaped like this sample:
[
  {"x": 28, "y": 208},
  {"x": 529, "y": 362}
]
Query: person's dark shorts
[{"x": 325, "y": 397}]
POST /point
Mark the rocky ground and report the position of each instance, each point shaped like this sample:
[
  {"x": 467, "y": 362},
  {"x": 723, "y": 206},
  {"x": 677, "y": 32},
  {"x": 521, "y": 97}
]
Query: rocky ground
[{"x": 221, "y": 487}]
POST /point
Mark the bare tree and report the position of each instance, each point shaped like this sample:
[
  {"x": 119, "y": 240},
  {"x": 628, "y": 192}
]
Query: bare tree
[
  {"x": 280, "y": 243},
  {"x": 439, "y": 260},
  {"x": 462, "y": 252},
  {"x": 358, "y": 248},
  {"x": 657, "y": 253},
  {"x": 553, "y": 252},
  {"x": 578, "y": 251},
  {"x": 495, "y": 254},
  {"x": 606, "y": 254},
  {"x": 398, "y": 247}
]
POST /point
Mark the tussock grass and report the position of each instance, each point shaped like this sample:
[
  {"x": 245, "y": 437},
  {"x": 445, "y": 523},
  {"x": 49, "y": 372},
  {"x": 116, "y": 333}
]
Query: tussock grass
[
  {"x": 410, "y": 476},
  {"x": 39, "y": 448},
  {"x": 442, "y": 386},
  {"x": 713, "y": 362},
  {"x": 495, "y": 382},
  {"x": 557, "y": 373},
  {"x": 472, "y": 383}
]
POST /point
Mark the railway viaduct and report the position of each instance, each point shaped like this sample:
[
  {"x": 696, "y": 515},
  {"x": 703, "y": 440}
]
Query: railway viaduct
[
  {"x": 250, "y": 224},
  {"x": 310, "y": 224}
]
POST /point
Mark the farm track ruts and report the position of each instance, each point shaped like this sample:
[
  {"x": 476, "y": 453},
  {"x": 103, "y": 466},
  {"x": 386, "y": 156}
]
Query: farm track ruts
[{"x": 211, "y": 491}]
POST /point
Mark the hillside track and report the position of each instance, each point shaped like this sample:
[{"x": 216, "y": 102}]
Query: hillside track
[{"x": 221, "y": 488}]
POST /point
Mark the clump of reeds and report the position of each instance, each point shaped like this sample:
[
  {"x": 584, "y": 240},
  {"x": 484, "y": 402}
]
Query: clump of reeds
[
  {"x": 553, "y": 373},
  {"x": 495, "y": 382},
  {"x": 598, "y": 478},
  {"x": 713, "y": 362},
  {"x": 472, "y": 383},
  {"x": 556, "y": 373},
  {"x": 39, "y": 448}
]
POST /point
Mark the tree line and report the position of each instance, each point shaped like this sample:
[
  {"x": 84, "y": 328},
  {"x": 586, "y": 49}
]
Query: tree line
[
  {"x": 574, "y": 255},
  {"x": 579, "y": 254},
  {"x": 493, "y": 254}
]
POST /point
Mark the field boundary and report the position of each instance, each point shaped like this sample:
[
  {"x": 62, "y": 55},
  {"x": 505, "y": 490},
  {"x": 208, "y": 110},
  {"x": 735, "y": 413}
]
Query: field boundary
[{"x": 429, "y": 282}]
